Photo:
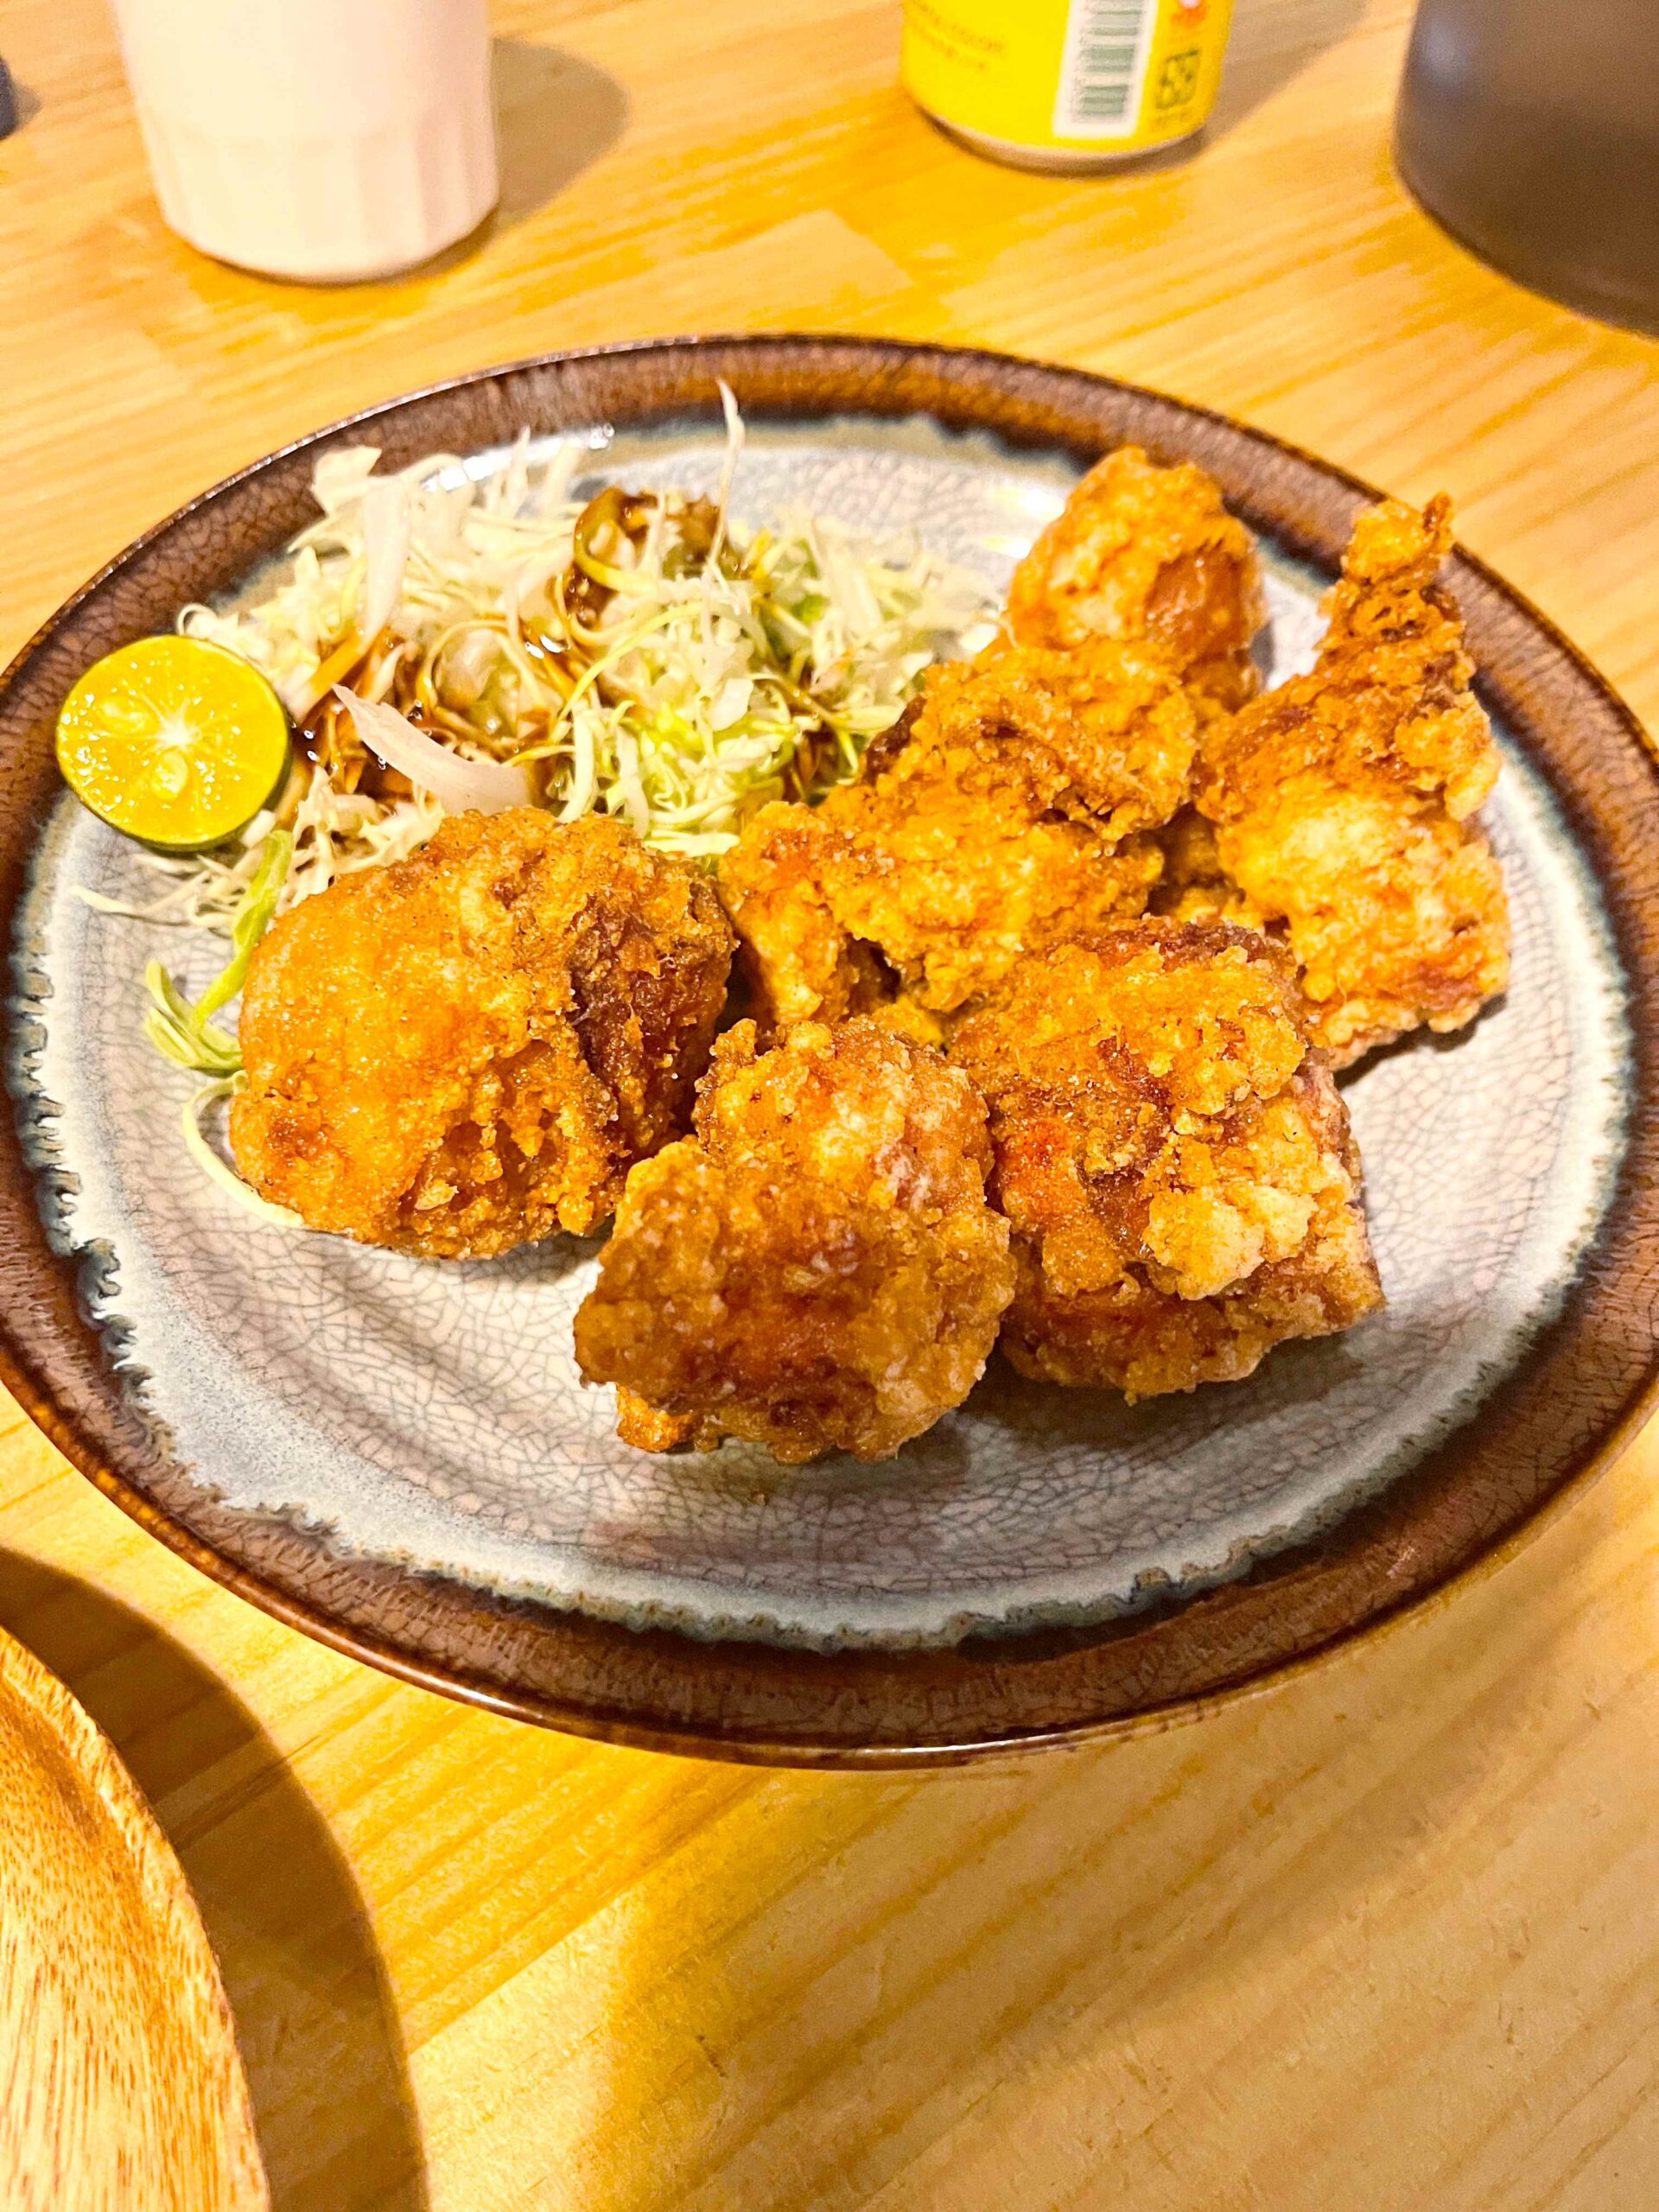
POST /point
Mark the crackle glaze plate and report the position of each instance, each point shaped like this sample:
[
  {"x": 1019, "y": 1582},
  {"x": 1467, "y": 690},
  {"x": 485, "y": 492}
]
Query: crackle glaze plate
[{"x": 399, "y": 1456}]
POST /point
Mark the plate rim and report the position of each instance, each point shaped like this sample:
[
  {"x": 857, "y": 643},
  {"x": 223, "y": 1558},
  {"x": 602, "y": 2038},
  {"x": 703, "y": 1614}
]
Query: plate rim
[{"x": 760, "y": 1702}]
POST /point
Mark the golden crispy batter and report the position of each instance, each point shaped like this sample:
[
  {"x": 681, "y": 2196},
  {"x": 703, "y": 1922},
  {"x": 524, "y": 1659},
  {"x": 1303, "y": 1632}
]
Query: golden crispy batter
[
  {"x": 1341, "y": 804},
  {"x": 1098, "y": 732},
  {"x": 1178, "y": 1171},
  {"x": 1152, "y": 557},
  {"x": 1008, "y": 808},
  {"x": 469, "y": 1049},
  {"x": 816, "y": 1270}
]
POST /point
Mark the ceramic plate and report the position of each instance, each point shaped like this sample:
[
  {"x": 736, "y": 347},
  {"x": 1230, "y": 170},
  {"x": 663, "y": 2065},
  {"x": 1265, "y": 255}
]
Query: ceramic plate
[{"x": 399, "y": 1455}]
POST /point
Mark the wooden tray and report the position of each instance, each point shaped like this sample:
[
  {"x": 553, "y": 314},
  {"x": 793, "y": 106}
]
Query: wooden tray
[{"x": 120, "y": 2085}]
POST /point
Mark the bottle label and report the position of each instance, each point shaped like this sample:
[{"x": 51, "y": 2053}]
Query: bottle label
[
  {"x": 1104, "y": 70},
  {"x": 1108, "y": 76}
]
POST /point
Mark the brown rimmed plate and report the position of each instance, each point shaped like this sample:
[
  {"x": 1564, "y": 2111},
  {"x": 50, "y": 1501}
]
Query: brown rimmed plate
[{"x": 398, "y": 1461}]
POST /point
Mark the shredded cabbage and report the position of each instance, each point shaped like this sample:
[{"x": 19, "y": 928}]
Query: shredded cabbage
[{"x": 645, "y": 655}]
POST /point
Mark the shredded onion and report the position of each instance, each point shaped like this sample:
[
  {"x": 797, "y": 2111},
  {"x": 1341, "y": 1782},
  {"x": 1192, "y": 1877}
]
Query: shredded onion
[
  {"x": 341, "y": 474},
  {"x": 207, "y": 1159},
  {"x": 388, "y": 505},
  {"x": 459, "y": 786},
  {"x": 727, "y": 467}
]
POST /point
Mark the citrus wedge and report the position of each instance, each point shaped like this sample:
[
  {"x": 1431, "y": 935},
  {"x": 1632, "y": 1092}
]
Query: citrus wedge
[{"x": 174, "y": 740}]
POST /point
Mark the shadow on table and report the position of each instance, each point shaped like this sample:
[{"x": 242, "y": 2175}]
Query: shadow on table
[
  {"x": 1271, "y": 46},
  {"x": 555, "y": 114},
  {"x": 314, "y": 2015}
]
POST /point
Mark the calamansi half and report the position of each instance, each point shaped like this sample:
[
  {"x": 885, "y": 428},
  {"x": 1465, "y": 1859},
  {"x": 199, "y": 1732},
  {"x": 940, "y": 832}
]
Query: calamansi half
[{"x": 174, "y": 740}]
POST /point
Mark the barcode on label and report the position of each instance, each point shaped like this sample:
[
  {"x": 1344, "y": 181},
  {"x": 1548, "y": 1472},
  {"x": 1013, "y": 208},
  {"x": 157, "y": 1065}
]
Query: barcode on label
[{"x": 1107, "y": 43}]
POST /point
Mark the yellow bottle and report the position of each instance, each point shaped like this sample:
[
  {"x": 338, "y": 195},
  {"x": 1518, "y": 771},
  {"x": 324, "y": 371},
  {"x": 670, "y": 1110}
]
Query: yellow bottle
[{"x": 1065, "y": 84}]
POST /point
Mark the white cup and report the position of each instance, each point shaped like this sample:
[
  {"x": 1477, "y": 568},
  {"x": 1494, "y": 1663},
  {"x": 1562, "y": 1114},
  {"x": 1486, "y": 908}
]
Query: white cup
[{"x": 320, "y": 139}]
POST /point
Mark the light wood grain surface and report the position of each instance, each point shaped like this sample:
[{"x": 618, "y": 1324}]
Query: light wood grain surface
[
  {"x": 119, "y": 2080},
  {"x": 1388, "y": 1937}
]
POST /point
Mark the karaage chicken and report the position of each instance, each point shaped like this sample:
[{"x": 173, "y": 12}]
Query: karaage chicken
[
  {"x": 1340, "y": 805},
  {"x": 469, "y": 1049},
  {"x": 1010, "y": 806},
  {"x": 1150, "y": 556},
  {"x": 1177, "y": 1167},
  {"x": 816, "y": 1268}
]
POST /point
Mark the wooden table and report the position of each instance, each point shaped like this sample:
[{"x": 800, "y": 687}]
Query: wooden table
[{"x": 1388, "y": 1937}]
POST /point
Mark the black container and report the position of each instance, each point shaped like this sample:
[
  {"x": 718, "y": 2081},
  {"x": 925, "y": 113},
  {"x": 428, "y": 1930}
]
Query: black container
[{"x": 1530, "y": 128}]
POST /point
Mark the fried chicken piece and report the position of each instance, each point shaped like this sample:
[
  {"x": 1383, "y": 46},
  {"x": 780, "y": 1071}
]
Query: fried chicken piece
[
  {"x": 1342, "y": 803},
  {"x": 1009, "y": 806},
  {"x": 1150, "y": 556},
  {"x": 816, "y": 1270},
  {"x": 1177, "y": 1167},
  {"x": 468, "y": 1049},
  {"x": 649, "y": 1429}
]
